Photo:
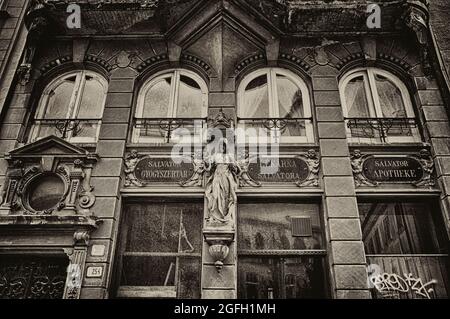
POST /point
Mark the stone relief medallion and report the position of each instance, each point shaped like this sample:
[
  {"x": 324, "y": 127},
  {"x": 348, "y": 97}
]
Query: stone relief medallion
[{"x": 373, "y": 170}]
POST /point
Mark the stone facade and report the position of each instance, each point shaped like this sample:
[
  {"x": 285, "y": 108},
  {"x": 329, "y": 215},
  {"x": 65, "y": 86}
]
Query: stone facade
[{"x": 222, "y": 42}]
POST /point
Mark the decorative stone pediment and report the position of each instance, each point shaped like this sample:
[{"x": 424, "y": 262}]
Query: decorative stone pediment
[
  {"x": 49, "y": 180},
  {"x": 53, "y": 146}
]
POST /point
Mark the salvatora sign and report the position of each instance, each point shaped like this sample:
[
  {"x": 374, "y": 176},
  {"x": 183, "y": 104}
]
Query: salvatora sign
[
  {"x": 290, "y": 170},
  {"x": 393, "y": 169}
]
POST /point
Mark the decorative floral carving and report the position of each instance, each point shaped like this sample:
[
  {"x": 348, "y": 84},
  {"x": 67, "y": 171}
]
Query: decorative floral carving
[
  {"x": 131, "y": 160},
  {"x": 416, "y": 18},
  {"x": 244, "y": 177},
  {"x": 427, "y": 163},
  {"x": 313, "y": 162},
  {"x": 357, "y": 161},
  {"x": 199, "y": 170}
]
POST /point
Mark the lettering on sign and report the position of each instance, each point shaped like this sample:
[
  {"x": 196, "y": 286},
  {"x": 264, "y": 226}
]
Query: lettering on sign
[
  {"x": 141, "y": 171},
  {"x": 393, "y": 169},
  {"x": 290, "y": 170},
  {"x": 372, "y": 170}
]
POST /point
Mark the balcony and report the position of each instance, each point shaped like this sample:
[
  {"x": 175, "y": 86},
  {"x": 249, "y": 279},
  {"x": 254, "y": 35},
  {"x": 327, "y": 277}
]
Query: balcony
[
  {"x": 72, "y": 130},
  {"x": 169, "y": 130},
  {"x": 383, "y": 130},
  {"x": 276, "y": 130}
]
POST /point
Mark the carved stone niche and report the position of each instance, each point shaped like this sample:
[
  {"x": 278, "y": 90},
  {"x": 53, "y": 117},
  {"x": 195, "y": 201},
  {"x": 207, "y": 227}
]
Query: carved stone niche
[{"x": 50, "y": 177}]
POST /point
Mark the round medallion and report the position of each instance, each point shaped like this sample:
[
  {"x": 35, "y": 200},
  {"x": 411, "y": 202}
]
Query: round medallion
[{"x": 46, "y": 192}]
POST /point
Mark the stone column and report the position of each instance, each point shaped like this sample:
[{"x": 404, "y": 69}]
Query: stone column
[
  {"x": 343, "y": 230},
  {"x": 437, "y": 127},
  {"x": 107, "y": 180}
]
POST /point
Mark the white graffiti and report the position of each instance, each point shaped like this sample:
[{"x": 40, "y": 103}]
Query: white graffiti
[{"x": 386, "y": 282}]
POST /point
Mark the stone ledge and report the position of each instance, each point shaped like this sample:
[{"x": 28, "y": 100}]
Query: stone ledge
[{"x": 50, "y": 221}]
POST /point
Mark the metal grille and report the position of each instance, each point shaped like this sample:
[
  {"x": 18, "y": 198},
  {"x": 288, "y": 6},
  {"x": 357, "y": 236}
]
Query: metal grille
[
  {"x": 301, "y": 226},
  {"x": 32, "y": 277}
]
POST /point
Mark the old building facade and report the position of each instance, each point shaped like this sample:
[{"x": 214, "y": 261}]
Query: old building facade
[{"x": 113, "y": 184}]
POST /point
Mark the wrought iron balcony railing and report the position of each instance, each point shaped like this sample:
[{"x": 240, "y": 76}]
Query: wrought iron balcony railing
[
  {"x": 82, "y": 130},
  {"x": 291, "y": 129},
  {"x": 383, "y": 129},
  {"x": 167, "y": 129}
]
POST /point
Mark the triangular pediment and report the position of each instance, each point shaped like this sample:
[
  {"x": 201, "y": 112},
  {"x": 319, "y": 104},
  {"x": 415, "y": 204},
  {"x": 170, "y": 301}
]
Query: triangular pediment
[
  {"x": 207, "y": 14},
  {"x": 49, "y": 146}
]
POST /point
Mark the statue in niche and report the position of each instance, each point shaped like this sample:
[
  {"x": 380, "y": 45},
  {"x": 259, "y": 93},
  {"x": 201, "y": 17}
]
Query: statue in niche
[{"x": 221, "y": 186}]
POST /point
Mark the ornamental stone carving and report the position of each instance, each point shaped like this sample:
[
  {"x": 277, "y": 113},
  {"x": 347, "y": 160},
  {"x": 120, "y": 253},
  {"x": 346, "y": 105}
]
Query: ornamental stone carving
[{"x": 48, "y": 177}]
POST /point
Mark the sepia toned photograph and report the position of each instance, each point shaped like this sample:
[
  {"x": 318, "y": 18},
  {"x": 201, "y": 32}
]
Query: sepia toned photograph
[{"x": 242, "y": 151}]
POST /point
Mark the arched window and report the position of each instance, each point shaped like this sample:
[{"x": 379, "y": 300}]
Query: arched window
[
  {"x": 377, "y": 107},
  {"x": 276, "y": 103},
  {"x": 171, "y": 104},
  {"x": 71, "y": 107}
]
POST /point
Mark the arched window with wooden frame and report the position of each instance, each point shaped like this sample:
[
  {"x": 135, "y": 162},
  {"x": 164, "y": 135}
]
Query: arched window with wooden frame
[
  {"x": 276, "y": 103},
  {"x": 377, "y": 108},
  {"x": 71, "y": 107},
  {"x": 171, "y": 106}
]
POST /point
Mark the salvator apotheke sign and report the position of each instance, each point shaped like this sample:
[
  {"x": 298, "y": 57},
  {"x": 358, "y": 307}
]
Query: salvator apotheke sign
[{"x": 392, "y": 169}]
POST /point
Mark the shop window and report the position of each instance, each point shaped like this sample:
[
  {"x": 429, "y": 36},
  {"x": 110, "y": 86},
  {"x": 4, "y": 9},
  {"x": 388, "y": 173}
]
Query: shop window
[
  {"x": 377, "y": 107},
  {"x": 171, "y": 107},
  {"x": 31, "y": 277},
  {"x": 414, "y": 248},
  {"x": 277, "y": 258},
  {"x": 275, "y": 104},
  {"x": 160, "y": 253},
  {"x": 71, "y": 107}
]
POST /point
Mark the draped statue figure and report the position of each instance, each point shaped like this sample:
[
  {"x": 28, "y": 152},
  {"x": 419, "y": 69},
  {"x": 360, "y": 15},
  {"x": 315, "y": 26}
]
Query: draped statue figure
[{"x": 221, "y": 186}]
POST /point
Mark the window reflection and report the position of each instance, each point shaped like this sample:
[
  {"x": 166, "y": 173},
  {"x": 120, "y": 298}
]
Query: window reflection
[
  {"x": 161, "y": 250},
  {"x": 268, "y": 243}
]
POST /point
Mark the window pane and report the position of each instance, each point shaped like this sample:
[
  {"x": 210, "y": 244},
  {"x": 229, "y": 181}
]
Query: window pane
[
  {"x": 356, "y": 99},
  {"x": 148, "y": 271},
  {"x": 59, "y": 100},
  {"x": 400, "y": 228},
  {"x": 290, "y": 105},
  {"x": 280, "y": 278},
  {"x": 91, "y": 106},
  {"x": 269, "y": 226},
  {"x": 289, "y": 98},
  {"x": 168, "y": 227},
  {"x": 157, "y": 99},
  {"x": 189, "y": 278},
  {"x": 190, "y": 98},
  {"x": 390, "y": 97},
  {"x": 256, "y": 99}
]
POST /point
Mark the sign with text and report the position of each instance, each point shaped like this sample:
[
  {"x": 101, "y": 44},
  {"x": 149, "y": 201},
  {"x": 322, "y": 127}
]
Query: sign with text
[
  {"x": 162, "y": 170},
  {"x": 400, "y": 169},
  {"x": 290, "y": 170}
]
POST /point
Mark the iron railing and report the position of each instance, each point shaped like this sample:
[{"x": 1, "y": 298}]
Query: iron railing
[
  {"x": 382, "y": 128},
  {"x": 167, "y": 128},
  {"x": 66, "y": 128}
]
